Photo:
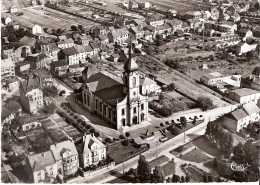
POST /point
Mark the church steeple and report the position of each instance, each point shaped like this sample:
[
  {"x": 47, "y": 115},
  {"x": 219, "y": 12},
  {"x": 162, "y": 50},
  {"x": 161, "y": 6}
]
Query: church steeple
[{"x": 130, "y": 65}]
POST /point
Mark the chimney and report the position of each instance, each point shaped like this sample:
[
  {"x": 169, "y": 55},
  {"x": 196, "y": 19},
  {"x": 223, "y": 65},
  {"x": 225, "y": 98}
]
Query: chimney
[{"x": 43, "y": 154}]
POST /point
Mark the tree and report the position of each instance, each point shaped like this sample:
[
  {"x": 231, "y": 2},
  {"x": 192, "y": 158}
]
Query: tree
[
  {"x": 215, "y": 163},
  {"x": 96, "y": 134},
  {"x": 182, "y": 179},
  {"x": 183, "y": 121},
  {"x": 187, "y": 178},
  {"x": 50, "y": 91},
  {"x": 121, "y": 136},
  {"x": 108, "y": 140},
  {"x": 92, "y": 130},
  {"x": 158, "y": 175},
  {"x": 204, "y": 103},
  {"x": 143, "y": 170},
  {"x": 175, "y": 178},
  {"x": 80, "y": 27},
  {"x": 176, "y": 131},
  {"x": 74, "y": 28},
  {"x": 43, "y": 142},
  {"x": 205, "y": 178},
  {"x": 49, "y": 109},
  {"x": 170, "y": 87},
  {"x": 12, "y": 37},
  {"x": 25, "y": 143},
  {"x": 127, "y": 134}
]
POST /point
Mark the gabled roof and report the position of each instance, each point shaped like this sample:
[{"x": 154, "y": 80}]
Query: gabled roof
[
  {"x": 237, "y": 114},
  {"x": 5, "y": 113},
  {"x": 30, "y": 84},
  {"x": 251, "y": 108},
  {"x": 245, "y": 92},
  {"x": 146, "y": 81},
  {"x": 40, "y": 161},
  {"x": 7, "y": 63},
  {"x": 57, "y": 148},
  {"x": 59, "y": 63},
  {"x": 27, "y": 41},
  {"x": 84, "y": 144},
  {"x": 42, "y": 73},
  {"x": 70, "y": 51},
  {"x": 100, "y": 81},
  {"x": 13, "y": 106},
  {"x": 22, "y": 120},
  {"x": 66, "y": 41},
  {"x": 11, "y": 79}
]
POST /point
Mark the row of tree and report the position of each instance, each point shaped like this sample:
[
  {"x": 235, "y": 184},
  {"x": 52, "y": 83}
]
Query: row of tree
[{"x": 221, "y": 137}]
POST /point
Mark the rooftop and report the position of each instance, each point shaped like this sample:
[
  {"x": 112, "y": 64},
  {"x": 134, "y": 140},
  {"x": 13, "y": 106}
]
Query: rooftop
[
  {"x": 84, "y": 144},
  {"x": 41, "y": 161},
  {"x": 42, "y": 73},
  {"x": 245, "y": 92},
  {"x": 65, "y": 145},
  {"x": 6, "y": 63}
]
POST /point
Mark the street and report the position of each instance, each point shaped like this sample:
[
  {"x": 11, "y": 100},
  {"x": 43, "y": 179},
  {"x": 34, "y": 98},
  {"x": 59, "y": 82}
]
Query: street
[{"x": 162, "y": 149}]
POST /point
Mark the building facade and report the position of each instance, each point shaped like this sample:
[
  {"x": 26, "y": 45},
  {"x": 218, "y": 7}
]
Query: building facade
[{"x": 117, "y": 101}]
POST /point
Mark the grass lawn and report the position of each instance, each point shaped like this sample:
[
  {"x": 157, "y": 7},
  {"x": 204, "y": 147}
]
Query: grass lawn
[
  {"x": 117, "y": 150},
  {"x": 203, "y": 144},
  {"x": 121, "y": 179},
  {"x": 168, "y": 168},
  {"x": 196, "y": 175},
  {"x": 181, "y": 149},
  {"x": 223, "y": 168},
  {"x": 195, "y": 156},
  {"x": 158, "y": 161}
]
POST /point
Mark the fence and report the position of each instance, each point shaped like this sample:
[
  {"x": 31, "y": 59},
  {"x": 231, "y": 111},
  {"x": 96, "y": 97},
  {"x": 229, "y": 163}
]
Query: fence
[
  {"x": 186, "y": 112},
  {"x": 98, "y": 169}
]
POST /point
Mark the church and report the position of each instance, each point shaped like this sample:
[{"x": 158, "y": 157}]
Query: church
[{"x": 117, "y": 100}]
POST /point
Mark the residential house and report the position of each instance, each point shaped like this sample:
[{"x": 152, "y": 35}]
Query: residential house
[
  {"x": 100, "y": 30},
  {"x": 27, "y": 41},
  {"x": 22, "y": 68},
  {"x": 244, "y": 95},
  {"x": 138, "y": 22},
  {"x": 59, "y": 68},
  {"x": 12, "y": 82},
  {"x": 148, "y": 35},
  {"x": 31, "y": 97},
  {"x": 27, "y": 122},
  {"x": 7, "y": 68},
  {"x": 10, "y": 53},
  {"x": 148, "y": 85},
  {"x": 103, "y": 39},
  {"x": 95, "y": 47},
  {"x": 37, "y": 60},
  {"x": 256, "y": 31},
  {"x": 61, "y": 38},
  {"x": 164, "y": 30},
  {"x": 8, "y": 20},
  {"x": 37, "y": 30},
  {"x": 88, "y": 71},
  {"x": 114, "y": 57},
  {"x": 133, "y": 4},
  {"x": 243, "y": 47},
  {"x": 67, "y": 43},
  {"x": 212, "y": 78},
  {"x": 91, "y": 150},
  {"x": 23, "y": 51},
  {"x": 137, "y": 31},
  {"x": 156, "y": 21},
  {"x": 192, "y": 15},
  {"x": 84, "y": 40},
  {"x": 70, "y": 55},
  {"x": 145, "y": 5},
  {"x": 13, "y": 9},
  {"x": 176, "y": 24},
  {"x": 76, "y": 69},
  {"x": 240, "y": 118},
  {"x": 44, "y": 77},
  {"x": 54, "y": 50},
  {"x": 118, "y": 36},
  {"x": 6, "y": 116},
  {"x": 41, "y": 167},
  {"x": 250, "y": 81},
  {"x": 66, "y": 157},
  {"x": 10, "y": 111},
  {"x": 116, "y": 100},
  {"x": 42, "y": 46},
  {"x": 84, "y": 52}
]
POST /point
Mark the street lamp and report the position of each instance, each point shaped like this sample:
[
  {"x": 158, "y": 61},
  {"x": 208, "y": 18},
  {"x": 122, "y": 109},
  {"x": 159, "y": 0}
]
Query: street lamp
[{"x": 157, "y": 143}]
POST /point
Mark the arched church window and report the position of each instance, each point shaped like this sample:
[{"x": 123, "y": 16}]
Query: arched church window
[{"x": 134, "y": 81}]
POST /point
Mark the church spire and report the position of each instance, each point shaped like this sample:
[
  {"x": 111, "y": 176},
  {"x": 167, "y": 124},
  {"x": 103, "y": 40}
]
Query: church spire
[{"x": 130, "y": 64}]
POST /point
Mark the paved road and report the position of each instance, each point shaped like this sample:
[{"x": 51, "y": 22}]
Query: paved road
[{"x": 163, "y": 148}]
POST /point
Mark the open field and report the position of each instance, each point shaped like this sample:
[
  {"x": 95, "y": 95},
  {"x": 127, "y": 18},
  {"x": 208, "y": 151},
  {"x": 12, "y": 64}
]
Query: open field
[
  {"x": 54, "y": 20},
  {"x": 18, "y": 3},
  {"x": 195, "y": 155}
]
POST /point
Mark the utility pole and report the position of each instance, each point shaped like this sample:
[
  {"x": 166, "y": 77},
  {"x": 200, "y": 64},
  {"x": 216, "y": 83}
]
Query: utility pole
[
  {"x": 123, "y": 164},
  {"x": 156, "y": 148},
  {"x": 184, "y": 133}
]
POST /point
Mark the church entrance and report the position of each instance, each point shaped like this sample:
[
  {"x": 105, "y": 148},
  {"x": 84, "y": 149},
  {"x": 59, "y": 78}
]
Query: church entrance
[
  {"x": 123, "y": 121},
  {"x": 142, "y": 117},
  {"x": 135, "y": 120}
]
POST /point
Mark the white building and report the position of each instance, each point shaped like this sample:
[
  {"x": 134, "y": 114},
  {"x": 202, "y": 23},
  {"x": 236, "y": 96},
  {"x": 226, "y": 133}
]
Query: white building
[
  {"x": 245, "y": 95},
  {"x": 36, "y": 29}
]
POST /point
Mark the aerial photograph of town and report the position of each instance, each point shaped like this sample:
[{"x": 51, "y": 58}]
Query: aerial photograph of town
[{"x": 130, "y": 91}]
